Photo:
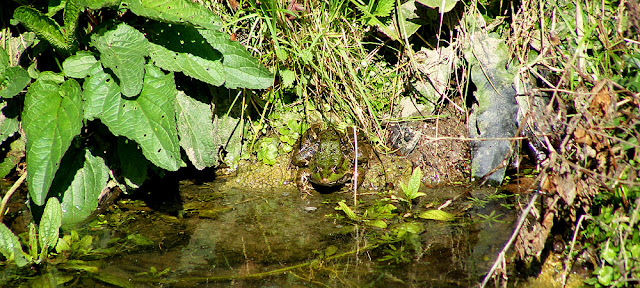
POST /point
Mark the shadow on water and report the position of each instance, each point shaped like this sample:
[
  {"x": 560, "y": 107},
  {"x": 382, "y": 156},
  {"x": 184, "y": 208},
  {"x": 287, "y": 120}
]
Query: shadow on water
[{"x": 219, "y": 234}]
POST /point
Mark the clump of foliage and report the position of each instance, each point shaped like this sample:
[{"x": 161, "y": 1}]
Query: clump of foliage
[{"x": 113, "y": 102}]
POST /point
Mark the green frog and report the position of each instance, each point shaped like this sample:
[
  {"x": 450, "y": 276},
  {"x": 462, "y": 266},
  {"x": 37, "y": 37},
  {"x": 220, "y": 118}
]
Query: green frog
[{"x": 326, "y": 158}]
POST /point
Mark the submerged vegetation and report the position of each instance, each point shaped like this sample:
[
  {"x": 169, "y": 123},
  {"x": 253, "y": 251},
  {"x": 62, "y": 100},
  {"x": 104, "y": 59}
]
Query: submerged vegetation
[{"x": 97, "y": 97}]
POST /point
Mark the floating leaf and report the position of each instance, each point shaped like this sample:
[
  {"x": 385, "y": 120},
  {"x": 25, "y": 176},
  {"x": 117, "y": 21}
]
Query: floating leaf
[{"x": 436, "y": 215}]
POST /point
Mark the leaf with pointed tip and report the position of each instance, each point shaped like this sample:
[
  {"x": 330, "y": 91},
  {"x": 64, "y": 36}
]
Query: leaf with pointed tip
[
  {"x": 10, "y": 246},
  {"x": 148, "y": 119},
  {"x": 241, "y": 69},
  {"x": 123, "y": 50},
  {"x": 78, "y": 184},
  {"x": 49, "y": 228},
  {"x": 195, "y": 126},
  {"x": 52, "y": 117}
]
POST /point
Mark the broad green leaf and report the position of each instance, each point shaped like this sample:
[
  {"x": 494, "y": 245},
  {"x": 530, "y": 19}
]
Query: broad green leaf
[
  {"x": 415, "y": 181},
  {"x": 174, "y": 11},
  {"x": 605, "y": 275},
  {"x": 408, "y": 21},
  {"x": 78, "y": 183},
  {"x": 378, "y": 223},
  {"x": 12, "y": 81},
  {"x": 347, "y": 210},
  {"x": 49, "y": 228},
  {"x": 436, "y": 215},
  {"x": 44, "y": 27},
  {"x": 52, "y": 117},
  {"x": 134, "y": 165},
  {"x": 438, "y": 4},
  {"x": 56, "y": 78},
  {"x": 9, "y": 123},
  {"x": 195, "y": 127},
  {"x": 193, "y": 66},
  {"x": 80, "y": 65},
  {"x": 241, "y": 69},
  {"x": 181, "y": 48},
  {"x": 123, "y": 50},
  {"x": 148, "y": 119},
  {"x": 10, "y": 246},
  {"x": 97, "y": 4}
]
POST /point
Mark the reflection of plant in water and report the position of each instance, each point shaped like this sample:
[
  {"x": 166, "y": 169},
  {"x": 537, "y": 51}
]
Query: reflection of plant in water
[
  {"x": 393, "y": 254},
  {"x": 491, "y": 218}
]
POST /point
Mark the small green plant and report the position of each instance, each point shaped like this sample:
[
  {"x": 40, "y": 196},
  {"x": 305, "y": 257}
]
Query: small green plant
[
  {"x": 40, "y": 244},
  {"x": 410, "y": 190}
]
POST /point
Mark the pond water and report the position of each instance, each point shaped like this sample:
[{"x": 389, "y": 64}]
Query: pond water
[{"x": 223, "y": 234}]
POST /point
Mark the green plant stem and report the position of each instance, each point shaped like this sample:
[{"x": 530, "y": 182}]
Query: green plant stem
[{"x": 6, "y": 197}]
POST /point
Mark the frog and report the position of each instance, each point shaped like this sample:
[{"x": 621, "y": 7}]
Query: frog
[{"x": 326, "y": 159}]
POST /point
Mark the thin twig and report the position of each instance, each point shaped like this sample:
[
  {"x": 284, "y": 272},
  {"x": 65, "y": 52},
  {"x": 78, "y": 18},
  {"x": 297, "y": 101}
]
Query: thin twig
[{"x": 516, "y": 231}]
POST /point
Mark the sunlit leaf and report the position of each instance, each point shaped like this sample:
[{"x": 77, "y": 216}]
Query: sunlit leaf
[
  {"x": 52, "y": 117},
  {"x": 436, "y": 215}
]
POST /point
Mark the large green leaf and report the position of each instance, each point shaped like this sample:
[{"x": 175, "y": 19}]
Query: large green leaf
[
  {"x": 97, "y": 4},
  {"x": 10, "y": 246},
  {"x": 79, "y": 184},
  {"x": 123, "y": 50},
  {"x": 442, "y": 5},
  {"x": 52, "y": 117},
  {"x": 241, "y": 69},
  {"x": 181, "y": 48},
  {"x": 148, "y": 119},
  {"x": 174, "y": 11},
  {"x": 50, "y": 223},
  {"x": 134, "y": 165},
  {"x": 80, "y": 65},
  {"x": 12, "y": 81},
  {"x": 195, "y": 127}
]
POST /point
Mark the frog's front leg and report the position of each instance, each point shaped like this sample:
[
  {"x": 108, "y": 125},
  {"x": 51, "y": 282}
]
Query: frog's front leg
[{"x": 302, "y": 181}]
